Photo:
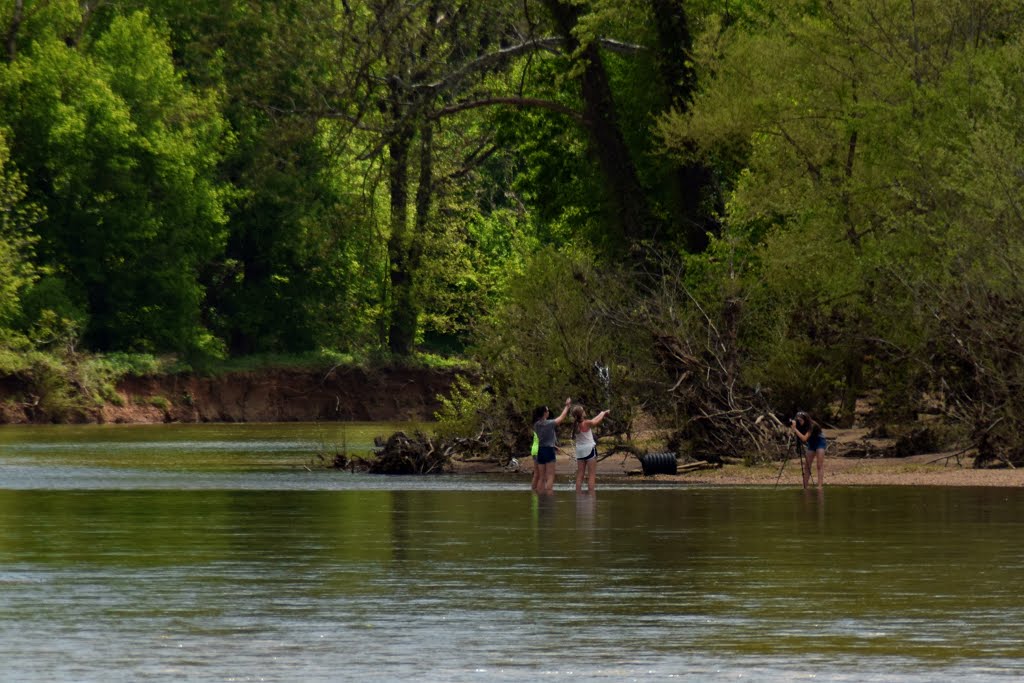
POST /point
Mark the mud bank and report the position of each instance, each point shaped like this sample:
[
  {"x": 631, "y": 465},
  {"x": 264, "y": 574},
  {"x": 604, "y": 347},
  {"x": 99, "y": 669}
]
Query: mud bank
[{"x": 342, "y": 394}]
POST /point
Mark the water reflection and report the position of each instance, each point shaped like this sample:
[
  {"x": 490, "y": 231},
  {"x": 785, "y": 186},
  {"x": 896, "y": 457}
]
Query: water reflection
[
  {"x": 285, "y": 575},
  {"x": 285, "y": 579},
  {"x": 814, "y": 505},
  {"x": 586, "y": 507}
]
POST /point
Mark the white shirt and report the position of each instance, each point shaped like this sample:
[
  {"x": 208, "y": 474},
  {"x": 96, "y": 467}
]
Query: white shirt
[{"x": 584, "y": 443}]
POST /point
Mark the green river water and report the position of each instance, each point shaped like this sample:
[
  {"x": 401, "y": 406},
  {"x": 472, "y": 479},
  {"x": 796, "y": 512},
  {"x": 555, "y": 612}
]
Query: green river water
[{"x": 225, "y": 553}]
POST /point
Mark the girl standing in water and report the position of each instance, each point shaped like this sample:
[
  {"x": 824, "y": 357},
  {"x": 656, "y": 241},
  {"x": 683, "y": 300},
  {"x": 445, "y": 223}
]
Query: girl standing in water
[
  {"x": 810, "y": 434},
  {"x": 547, "y": 436},
  {"x": 586, "y": 447}
]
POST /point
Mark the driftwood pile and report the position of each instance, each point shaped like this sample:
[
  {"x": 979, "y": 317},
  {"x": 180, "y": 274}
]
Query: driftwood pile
[
  {"x": 724, "y": 418},
  {"x": 401, "y": 453}
]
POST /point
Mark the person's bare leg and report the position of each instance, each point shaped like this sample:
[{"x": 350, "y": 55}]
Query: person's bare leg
[
  {"x": 592, "y": 474},
  {"x": 535, "y": 481},
  {"x": 805, "y": 468},
  {"x": 820, "y": 455},
  {"x": 549, "y": 478},
  {"x": 581, "y": 468}
]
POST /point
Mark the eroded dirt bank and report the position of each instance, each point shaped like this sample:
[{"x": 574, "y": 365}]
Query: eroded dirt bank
[{"x": 383, "y": 394}]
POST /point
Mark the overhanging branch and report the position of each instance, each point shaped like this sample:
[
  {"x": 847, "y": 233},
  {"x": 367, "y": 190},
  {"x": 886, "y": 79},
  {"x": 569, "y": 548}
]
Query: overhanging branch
[
  {"x": 495, "y": 59},
  {"x": 521, "y": 102}
]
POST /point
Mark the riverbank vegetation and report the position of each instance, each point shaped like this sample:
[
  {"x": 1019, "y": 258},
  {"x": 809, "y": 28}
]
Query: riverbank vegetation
[{"x": 712, "y": 213}]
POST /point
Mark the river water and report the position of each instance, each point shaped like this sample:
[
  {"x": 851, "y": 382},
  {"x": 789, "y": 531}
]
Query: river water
[{"x": 223, "y": 553}]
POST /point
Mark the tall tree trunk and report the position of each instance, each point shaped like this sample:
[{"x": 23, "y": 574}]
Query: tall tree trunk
[
  {"x": 854, "y": 383},
  {"x": 693, "y": 181},
  {"x": 402, "y": 317},
  {"x": 635, "y": 218},
  {"x": 12, "y": 31},
  {"x": 424, "y": 193},
  {"x": 673, "y": 55},
  {"x": 405, "y": 250},
  {"x": 409, "y": 249}
]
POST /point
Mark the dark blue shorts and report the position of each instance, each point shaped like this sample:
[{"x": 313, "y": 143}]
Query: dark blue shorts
[
  {"x": 818, "y": 444},
  {"x": 545, "y": 454}
]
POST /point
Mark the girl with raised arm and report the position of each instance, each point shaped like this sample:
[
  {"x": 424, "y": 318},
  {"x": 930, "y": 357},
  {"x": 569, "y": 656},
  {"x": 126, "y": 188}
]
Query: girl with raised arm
[
  {"x": 547, "y": 436},
  {"x": 586, "y": 447}
]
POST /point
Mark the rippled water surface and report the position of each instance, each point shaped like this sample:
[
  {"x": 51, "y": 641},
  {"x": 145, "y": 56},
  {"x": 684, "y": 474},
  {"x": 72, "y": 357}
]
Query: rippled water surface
[{"x": 224, "y": 553}]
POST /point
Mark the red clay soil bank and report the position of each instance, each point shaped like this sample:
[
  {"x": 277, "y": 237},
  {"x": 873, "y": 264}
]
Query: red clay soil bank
[{"x": 270, "y": 396}]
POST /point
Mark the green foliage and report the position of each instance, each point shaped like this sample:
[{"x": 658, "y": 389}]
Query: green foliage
[
  {"x": 559, "y": 318},
  {"x": 217, "y": 177},
  {"x": 550, "y": 169},
  {"x": 53, "y": 395},
  {"x": 159, "y": 402},
  {"x": 17, "y": 269},
  {"x": 122, "y": 155},
  {"x": 464, "y": 267},
  {"x": 117, "y": 365},
  {"x": 258, "y": 362},
  {"x": 41, "y": 21},
  {"x": 321, "y": 359},
  {"x": 274, "y": 178},
  {"x": 50, "y": 316},
  {"x": 51, "y": 389},
  {"x": 465, "y": 410},
  {"x": 846, "y": 125},
  {"x": 13, "y": 362},
  {"x": 972, "y": 355}
]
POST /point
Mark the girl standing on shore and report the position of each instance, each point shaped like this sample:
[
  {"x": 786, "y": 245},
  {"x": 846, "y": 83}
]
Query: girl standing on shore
[
  {"x": 547, "y": 436},
  {"x": 586, "y": 447},
  {"x": 810, "y": 434}
]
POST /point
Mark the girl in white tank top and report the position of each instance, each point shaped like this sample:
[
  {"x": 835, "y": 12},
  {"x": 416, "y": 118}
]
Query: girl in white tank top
[{"x": 586, "y": 447}]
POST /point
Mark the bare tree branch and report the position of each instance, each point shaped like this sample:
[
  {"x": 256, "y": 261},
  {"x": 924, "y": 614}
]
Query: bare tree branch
[
  {"x": 495, "y": 59},
  {"x": 523, "y": 102}
]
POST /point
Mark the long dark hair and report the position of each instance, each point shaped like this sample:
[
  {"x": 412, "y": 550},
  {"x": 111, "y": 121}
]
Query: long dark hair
[
  {"x": 804, "y": 421},
  {"x": 538, "y": 413}
]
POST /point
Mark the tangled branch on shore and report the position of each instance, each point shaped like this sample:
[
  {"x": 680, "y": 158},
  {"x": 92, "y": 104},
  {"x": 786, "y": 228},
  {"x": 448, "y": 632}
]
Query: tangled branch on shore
[
  {"x": 418, "y": 453},
  {"x": 402, "y": 454}
]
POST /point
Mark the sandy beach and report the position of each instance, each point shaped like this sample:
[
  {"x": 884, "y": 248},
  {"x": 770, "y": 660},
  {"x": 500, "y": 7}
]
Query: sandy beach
[
  {"x": 933, "y": 469},
  {"x": 920, "y": 470}
]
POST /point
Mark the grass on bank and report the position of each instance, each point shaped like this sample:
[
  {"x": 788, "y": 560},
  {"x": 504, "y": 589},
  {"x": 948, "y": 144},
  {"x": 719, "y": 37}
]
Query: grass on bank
[
  {"x": 317, "y": 360},
  {"x": 116, "y": 365}
]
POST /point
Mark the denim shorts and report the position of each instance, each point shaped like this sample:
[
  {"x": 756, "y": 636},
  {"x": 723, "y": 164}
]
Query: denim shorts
[{"x": 818, "y": 444}]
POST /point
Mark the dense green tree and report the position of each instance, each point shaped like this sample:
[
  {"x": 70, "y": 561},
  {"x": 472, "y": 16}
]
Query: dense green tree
[
  {"x": 17, "y": 269},
  {"x": 390, "y": 97},
  {"x": 613, "y": 70},
  {"x": 416, "y": 85},
  {"x": 121, "y": 154},
  {"x": 851, "y": 126},
  {"x": 561, "y": 321},
  {"x": 302, "y": 259}
]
